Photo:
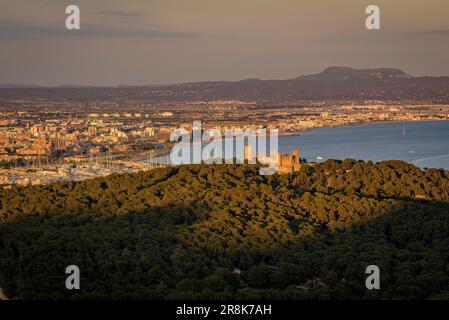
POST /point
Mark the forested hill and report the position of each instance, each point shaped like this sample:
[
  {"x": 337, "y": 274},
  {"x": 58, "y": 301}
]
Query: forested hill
[{"x": 223, "y": 231}]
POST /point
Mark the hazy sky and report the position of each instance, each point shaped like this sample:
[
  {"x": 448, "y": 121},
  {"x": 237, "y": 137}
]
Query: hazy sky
[{"x": 171, "y": 41}]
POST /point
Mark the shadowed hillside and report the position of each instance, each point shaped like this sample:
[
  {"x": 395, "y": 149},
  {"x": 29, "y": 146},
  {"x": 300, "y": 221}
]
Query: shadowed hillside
[{"x": 223, "y": 231}]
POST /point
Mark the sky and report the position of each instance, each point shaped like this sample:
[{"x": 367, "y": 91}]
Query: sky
[{"x": 144, "y": 42}]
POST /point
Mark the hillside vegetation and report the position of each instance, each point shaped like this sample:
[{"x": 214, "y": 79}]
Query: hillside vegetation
[{"x": 223, "y": 231}]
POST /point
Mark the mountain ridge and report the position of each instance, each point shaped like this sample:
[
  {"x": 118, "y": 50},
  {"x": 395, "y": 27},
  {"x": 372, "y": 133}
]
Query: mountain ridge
[
  {"x": 329, "y": 74},
  {"x": 336, "y": 73},
  {"x": 335, "y": 83}
]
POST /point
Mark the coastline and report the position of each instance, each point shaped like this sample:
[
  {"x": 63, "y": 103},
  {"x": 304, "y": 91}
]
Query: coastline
[
  {"x": 290, "y": 134},
  {"x": 422, "y": 143},
  {"x": 363, "y": 123}
]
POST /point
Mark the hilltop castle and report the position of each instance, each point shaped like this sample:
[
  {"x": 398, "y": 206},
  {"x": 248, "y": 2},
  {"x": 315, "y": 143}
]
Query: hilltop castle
[
  {"x": 286, "y": 163},
  {"x": 289, "y": 163}
]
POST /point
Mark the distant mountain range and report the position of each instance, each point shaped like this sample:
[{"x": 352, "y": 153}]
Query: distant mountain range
[
  {"x": 333, "y": 74},
  {"x": 332, "y": 83}
]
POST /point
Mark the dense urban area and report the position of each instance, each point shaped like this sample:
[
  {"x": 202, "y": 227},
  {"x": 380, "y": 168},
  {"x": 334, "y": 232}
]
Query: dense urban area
[{"x": 42, "y": 142}]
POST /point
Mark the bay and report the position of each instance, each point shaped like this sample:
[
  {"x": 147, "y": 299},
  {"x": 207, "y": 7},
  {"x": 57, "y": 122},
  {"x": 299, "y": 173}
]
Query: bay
[{"x": 423, "y": 143}]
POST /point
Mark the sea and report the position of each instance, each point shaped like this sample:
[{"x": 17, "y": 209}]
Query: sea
[{"x": 423, "y": 143}]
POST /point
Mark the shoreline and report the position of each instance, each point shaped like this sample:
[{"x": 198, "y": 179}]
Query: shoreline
[
  {"x": 424, "y": 158},
  {"x": 298, "y": 132}
]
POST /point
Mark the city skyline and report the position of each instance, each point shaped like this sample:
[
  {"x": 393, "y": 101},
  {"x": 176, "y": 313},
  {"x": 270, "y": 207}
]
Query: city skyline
[{"x": 165, "y": 42}]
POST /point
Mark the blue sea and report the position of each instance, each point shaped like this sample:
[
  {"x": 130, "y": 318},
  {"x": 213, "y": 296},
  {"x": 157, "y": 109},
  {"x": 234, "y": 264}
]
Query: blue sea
[{"x": 425, "y": 144}]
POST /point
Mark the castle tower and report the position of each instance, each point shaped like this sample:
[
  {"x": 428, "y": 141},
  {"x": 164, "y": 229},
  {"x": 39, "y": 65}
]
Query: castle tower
[
  {"x": 249, "y": 152},
  {"x": 289, "y": 163},
  {"x": 297, "y": 159}
]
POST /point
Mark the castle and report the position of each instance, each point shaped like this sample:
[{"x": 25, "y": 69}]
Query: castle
[
  {"x": 286, "y": 163},
  {"x": 289, "y": 163}
]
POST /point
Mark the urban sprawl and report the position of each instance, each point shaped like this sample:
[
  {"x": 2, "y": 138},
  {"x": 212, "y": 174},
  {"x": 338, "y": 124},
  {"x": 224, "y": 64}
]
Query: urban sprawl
[{"x": 43, "y": 142}]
